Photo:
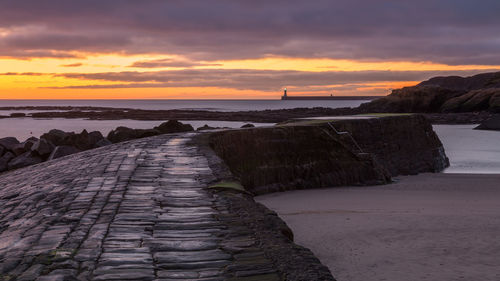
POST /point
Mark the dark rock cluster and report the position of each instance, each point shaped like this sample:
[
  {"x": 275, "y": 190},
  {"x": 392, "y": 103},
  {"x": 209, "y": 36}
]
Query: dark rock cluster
[
  {"x": 443, "y": 95},
  {"x": 124, "y": 134},
  {"x": 56, "y": 143},
  {"x": 206, "y": 127},
  {"x": 51, "y": 145}
]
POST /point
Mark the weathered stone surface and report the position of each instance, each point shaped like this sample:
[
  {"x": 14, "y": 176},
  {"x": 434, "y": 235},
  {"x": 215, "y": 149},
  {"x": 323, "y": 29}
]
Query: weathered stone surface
[
  {"x": 24, "y": 160},
  {"x": 61, "y": 151},
  {"x": 404, "y": 145},
  {"x": 139, "y": 210},
  {"x": 103, "y": 142},
  {"x": 121, "y": 134},
  {"x": 82, "y": 141},
  {"x": 257, "y": 235},
  {"x": 312, "y": 154},
  {"x": 174, "y": 126},
  {"x": 19, "y": 149},
  {"x": 4, "y": 160},
  {"x": 8, "y": 143},
  {"x": 56, "y": 136},
  {"x": 43, "y": 148}
]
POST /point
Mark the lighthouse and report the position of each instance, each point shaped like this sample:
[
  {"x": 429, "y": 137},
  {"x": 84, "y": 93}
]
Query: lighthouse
[{"x": 284, "y": 93}]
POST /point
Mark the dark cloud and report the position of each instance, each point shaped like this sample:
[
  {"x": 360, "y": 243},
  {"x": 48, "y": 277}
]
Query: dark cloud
[
  {"x": 22, "y": 74},
  {"x": 170, "y": 63},
  {"x": 261, "y": 80},
  {"x": 30, "y": 54},
  {"x": 449, "y": 31}
]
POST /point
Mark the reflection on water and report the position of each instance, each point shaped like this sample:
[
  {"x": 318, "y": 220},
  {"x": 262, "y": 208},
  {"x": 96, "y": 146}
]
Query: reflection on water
[{"x": 470, "y": 151}]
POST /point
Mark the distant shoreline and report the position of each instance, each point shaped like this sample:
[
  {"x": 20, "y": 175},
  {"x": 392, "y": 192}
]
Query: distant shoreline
[{"x": 258, "y": 116}]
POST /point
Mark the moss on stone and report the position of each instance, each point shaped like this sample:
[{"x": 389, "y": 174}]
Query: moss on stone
[{"x": 231, "y": 185}]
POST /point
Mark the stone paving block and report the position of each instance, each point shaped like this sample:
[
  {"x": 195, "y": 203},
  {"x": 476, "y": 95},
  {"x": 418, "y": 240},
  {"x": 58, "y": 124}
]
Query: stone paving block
[{"x": 124, "y": 274}]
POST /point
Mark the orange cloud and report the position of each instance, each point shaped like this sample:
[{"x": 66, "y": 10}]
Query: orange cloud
[{"x": 172, "y": 76}]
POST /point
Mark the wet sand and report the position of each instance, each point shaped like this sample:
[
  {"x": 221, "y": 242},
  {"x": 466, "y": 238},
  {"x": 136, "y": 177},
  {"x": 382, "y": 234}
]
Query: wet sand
[{"x": 425, "y": 227}]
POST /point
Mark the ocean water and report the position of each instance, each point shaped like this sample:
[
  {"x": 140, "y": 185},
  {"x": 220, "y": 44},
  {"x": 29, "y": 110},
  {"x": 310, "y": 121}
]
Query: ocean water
[
  {"x": 211, "y": 105},
  {"x": 470, "y": 151}
]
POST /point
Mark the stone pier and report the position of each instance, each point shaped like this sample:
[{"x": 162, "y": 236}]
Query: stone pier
[{"x": 140, "y": 210}]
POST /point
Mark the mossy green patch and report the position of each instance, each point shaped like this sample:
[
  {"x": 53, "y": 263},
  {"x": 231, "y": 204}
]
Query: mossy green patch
[{"x": 231, "y": 185}]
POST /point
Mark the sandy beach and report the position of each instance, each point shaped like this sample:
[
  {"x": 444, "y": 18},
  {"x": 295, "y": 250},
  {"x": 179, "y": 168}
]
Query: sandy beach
[{"x": 425, "y": 227}]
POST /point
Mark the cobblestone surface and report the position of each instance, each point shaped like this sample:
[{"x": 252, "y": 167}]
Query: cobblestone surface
[{"x": 138, "y": 210}]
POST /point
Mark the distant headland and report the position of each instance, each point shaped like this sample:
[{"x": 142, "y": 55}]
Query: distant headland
[{"x": 330, "y": 97}]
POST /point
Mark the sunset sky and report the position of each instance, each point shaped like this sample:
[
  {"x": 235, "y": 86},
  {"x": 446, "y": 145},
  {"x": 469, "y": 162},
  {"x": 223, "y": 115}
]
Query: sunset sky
[{"x": 233, "y": 49}]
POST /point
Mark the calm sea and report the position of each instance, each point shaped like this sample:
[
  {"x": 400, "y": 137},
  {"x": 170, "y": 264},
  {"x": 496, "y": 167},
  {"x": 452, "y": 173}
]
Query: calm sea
[{"x": 212, "y": 105}]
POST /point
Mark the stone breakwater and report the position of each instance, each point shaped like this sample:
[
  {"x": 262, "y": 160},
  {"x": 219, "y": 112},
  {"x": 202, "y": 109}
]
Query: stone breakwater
[
  {"x": 140, "y": 210},
  {"x": 310, "y": 154}
]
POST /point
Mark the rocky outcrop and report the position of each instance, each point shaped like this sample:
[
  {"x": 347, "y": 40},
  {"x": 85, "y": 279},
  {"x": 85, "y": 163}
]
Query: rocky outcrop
[
  {"x": 477, "y": 100},
  {"x": 63, "y": 150},
  {"x": 4, "y": 161},
  {"x": 313, "y": 155},
  {"x": 174, "y": 126},
  {"x": 81, "y": 141},
  {"x": 24, "y": 146},
  {"x": 443, "y": 94},
  {"x": 43, "y": 148},
  {"x": 121, "y": 134},
  {"x": 24, "y": 160},
  {"x": 476, "y": 82},
  {"x": 57, "y": 137},
  {"x": 205, "y": 127},
  {"x": 8, "y": 143},
  {"x": 423, "y": 99}
]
